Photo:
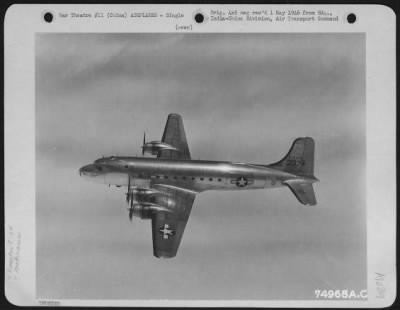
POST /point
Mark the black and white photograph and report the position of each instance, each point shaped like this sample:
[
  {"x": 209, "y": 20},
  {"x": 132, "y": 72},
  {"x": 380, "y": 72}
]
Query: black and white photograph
[
  {"x": 214, "y": 103},
  {"x": 200, "y": 166}
]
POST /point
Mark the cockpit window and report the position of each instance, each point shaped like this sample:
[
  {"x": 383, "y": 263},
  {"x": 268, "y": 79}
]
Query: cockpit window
[{"x": 100, "y": 160}]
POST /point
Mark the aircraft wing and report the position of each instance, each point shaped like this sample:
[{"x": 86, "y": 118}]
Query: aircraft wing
[
  {"x": 168, "y": 227},
  {"x": 174, "y": 134}
]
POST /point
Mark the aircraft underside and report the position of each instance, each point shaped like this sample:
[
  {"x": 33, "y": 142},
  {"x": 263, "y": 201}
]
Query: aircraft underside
[{"x": 163, "y": 189}]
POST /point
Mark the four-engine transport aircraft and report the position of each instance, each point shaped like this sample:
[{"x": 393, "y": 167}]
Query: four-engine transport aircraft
[{"x": 163, "y": 189}]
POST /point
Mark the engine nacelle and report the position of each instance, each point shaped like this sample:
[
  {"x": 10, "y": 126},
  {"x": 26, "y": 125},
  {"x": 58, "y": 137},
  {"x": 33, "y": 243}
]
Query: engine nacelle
[
  {"x": 146, "y": 191},
  {"x": 143, "y": 195},
  {"x": 154, "y": 147},
  {"x": 141, "y": 211},
  {"x": 144, "y": 210},
  {"x": 165, "y": 200}
]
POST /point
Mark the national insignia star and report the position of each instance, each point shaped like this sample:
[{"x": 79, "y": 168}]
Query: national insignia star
[
  {"x": 166, "y": 232},
  {"x": 241, "y": 182}
]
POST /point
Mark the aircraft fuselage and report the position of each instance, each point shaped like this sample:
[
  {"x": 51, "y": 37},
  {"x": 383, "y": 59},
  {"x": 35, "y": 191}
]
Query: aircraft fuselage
[{"x": 193, "y": 175}]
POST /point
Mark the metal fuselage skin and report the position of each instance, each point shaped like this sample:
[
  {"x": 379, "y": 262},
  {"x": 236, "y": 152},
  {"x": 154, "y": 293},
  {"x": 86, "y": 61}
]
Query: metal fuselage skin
[{"x": 193, "y": 175}]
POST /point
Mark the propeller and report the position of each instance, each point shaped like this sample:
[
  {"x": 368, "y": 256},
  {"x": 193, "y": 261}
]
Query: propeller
[
  {"x": 129, "y": 189},
  {"x": 130, "y": 214},
  {"x": 144, "y": 142}
]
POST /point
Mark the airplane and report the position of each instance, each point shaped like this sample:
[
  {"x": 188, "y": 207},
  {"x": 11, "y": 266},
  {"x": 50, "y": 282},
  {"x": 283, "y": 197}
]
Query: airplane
[{"x": 163, "y": 189}]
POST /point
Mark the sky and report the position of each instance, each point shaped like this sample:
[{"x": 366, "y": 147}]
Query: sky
[{"x": 243, "y": 97}]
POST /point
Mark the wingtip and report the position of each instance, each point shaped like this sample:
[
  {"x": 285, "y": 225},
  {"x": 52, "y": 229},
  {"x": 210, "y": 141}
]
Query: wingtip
[
  {"x": 163, "y": 255},
  {"x": 174, "y": 115}
]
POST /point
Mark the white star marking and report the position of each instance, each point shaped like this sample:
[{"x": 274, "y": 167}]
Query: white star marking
[
  {"x": 166, "y": 231},
  {"x": 241, "y": 182}
]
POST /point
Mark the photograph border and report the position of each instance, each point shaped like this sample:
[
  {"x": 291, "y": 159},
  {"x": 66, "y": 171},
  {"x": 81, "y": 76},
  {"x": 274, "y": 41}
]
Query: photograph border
[{"x": 19, "y": 110}]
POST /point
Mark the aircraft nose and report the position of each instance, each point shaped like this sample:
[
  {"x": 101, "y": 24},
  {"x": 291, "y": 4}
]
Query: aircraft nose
[
  {"x": 82, "y": 170},
  {"x": 87, "y": 170}
]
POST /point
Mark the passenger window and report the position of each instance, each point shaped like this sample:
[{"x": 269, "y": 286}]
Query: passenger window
[
  {"x": 219, "y": 180},
  {"x": 193, "y": 178},
  {"x": 210, "y": 179},
  {"x": 165, "y": 177},
  {"x": 201, "y": 179}
]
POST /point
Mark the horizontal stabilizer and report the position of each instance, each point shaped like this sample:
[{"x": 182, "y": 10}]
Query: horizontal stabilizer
[{"x": 303, "y": 191}]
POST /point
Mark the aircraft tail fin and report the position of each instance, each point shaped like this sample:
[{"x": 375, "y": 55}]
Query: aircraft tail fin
[
  {"x": 300, "y": 162},
  {"x": 300, "y": 158}
]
